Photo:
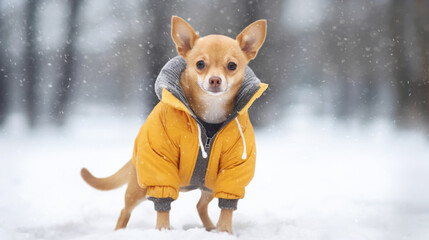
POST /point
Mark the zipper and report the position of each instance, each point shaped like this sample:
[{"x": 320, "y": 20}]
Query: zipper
[{"x": 208, "y": 142}]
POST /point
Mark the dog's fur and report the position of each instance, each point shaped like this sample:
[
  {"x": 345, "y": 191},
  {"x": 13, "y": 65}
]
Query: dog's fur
[{"x": 210, "y": 91}]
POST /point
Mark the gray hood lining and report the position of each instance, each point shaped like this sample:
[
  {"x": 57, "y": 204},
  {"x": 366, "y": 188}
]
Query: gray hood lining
[{"x": 169, "y": 78}]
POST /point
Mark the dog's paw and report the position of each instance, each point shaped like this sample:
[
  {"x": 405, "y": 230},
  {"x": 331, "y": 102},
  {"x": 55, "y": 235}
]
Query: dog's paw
[
  {"x": 224, "y": 228},
  {"x": 210, "y": 228},
  {"x": 163, "y": 227}
]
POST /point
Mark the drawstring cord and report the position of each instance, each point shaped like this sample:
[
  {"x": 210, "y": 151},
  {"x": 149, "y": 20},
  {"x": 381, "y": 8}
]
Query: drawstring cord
[
  {"x": 203, "y": 152},
  {"x": 244, "y": 156}
]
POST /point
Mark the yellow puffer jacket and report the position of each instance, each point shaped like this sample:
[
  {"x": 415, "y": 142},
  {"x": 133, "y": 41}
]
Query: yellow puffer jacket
[{"x": 168, "y": 144}]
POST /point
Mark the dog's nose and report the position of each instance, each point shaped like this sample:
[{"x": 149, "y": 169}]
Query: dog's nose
[{"x": 215, "y": 81}]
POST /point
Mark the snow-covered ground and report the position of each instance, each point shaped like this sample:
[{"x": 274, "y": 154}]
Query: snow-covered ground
[{"x": 315, "y": 178}]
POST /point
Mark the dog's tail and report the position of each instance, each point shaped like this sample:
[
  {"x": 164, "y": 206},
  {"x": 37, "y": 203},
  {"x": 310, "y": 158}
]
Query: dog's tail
[{"x": 116, "y": 180}]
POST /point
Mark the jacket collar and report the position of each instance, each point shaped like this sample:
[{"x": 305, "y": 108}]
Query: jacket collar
[
  {"x": 169, "y": 91},
  {"x": 170, "y": 99}
]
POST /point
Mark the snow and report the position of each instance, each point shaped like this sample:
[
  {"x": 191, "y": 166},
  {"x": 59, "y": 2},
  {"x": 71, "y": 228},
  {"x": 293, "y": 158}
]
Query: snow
[{"x": 316, "y": 178}]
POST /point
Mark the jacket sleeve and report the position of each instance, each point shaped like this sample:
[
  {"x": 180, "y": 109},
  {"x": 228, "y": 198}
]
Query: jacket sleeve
[
  {"x": 156, "y": 157},
  {"x": 235, "y": 173}
]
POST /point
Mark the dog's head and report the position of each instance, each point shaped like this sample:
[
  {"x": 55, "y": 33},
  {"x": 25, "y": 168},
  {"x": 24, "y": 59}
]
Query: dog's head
[{"x": 216, "y": 63}]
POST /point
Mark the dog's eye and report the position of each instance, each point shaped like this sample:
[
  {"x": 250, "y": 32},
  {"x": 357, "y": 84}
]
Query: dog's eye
[
  {"x": 232, "y": 66},
  {"x": 201, "y": 64}
]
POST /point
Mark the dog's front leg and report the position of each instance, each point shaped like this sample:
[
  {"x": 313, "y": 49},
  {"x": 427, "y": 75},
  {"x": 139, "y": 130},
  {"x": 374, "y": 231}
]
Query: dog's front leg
[
  {"x": 225, "y": 221},
  {"x": 163, "y": 220},
  {"x": 202, "y": 208}
]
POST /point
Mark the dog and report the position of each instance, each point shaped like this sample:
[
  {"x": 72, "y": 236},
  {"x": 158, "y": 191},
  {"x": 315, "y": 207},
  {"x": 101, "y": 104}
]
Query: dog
[{"x": 199, "y": 136}]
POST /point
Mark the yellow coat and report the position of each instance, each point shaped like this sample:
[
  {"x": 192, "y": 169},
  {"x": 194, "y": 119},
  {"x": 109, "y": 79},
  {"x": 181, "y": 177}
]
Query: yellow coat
[{"x": 167, "y": 146}]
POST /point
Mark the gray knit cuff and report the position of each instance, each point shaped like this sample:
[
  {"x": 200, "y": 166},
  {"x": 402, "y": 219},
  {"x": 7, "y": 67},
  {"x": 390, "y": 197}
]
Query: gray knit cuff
[
  {"x": 228, "y": 203},
  {"x": 161, "y": 204}
]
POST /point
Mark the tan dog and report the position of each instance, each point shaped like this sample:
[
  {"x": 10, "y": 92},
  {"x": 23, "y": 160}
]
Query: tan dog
[{"x": 212, "y": 79}]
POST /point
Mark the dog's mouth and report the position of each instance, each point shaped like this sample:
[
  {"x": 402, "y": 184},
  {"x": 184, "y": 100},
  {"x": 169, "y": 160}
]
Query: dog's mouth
[
  {"x": 214, "y": 85},
  {"x": 215, "y": 91}
]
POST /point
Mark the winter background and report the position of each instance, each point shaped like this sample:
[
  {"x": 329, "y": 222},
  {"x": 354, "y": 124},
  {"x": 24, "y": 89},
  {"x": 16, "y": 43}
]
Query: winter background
[{"x": 342, "y": 133}]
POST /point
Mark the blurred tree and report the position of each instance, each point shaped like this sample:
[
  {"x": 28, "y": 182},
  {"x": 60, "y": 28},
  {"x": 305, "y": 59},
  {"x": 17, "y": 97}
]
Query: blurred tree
[
  {"x": 271, "y": 59},
  {"x": 68, "y": 74},
  {"x": 421, "y": 8},
  {"x": 4, "y": 86},
  {"x": 401, "y": 67},
  {"x": 158, "y": 44},
  {"x": 367, "y": 45},
  {"x": 31, "y": 75},
  {"x": 340, "y": 39}
]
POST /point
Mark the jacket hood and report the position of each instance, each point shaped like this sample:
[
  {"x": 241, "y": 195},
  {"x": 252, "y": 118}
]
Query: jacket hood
[{"x": 169, "y": 79}]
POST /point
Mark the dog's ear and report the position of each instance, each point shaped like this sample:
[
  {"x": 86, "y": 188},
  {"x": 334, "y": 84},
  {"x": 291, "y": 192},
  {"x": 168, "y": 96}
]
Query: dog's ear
[
  {"x": 183, "y": 35},
  {"x": 252, "y": 38}
]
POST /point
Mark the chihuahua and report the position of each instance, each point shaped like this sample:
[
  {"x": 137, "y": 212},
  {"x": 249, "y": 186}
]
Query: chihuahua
[{"x": 199, "y": 136}]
